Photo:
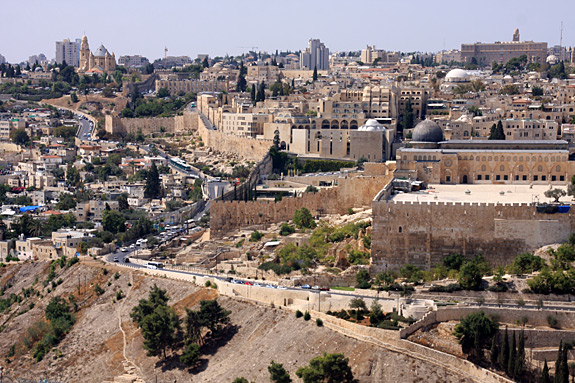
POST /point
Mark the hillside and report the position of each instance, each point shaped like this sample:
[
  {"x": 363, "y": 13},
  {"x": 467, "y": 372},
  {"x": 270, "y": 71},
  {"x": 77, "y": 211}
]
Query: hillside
[{"x": 94, "y": 349}]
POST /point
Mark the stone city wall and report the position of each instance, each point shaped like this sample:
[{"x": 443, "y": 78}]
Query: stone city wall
[
  {"x": 148, "y": 125},
  {"x": 423, "y": 233},
  {"x": 247, "y": 148},
  {"x": 536, "y": 318},
  {"x": 351, "y": 192}
]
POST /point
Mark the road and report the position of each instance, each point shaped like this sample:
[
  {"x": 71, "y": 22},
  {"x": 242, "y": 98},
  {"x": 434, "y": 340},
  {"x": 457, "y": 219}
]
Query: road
[{"x": 85, "y": 129}]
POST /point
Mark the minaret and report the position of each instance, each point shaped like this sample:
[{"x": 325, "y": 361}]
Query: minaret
[{"x": 516, "y": 35}]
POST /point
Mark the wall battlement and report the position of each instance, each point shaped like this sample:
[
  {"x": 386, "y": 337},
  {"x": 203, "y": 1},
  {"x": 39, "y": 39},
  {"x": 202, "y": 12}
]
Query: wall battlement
[{"x": 423, "y": 233}]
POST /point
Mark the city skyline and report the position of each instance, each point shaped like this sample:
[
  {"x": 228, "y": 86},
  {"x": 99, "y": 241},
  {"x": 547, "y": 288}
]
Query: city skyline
[{"x": 191, "y": 29}]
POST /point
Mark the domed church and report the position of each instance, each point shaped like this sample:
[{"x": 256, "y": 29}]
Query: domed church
[{"x": 99, "y": 62}]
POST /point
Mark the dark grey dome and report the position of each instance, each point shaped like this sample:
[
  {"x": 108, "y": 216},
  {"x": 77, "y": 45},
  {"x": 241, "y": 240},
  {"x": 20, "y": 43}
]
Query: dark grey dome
[{"x": 427, "y": 131}]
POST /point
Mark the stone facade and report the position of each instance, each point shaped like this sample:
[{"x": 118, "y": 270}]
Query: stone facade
[
  {"x": 351, "y": 192},
  {"x": 117, "y": 125},
  {"x": 423, "y": 233}
]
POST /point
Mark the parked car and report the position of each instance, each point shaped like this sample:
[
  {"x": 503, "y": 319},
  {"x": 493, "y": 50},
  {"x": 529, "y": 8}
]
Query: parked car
[
  {"x": 306, "y": 287},
  {"x": 124, "y": 249},
  {"x": 116, "y": 259}
]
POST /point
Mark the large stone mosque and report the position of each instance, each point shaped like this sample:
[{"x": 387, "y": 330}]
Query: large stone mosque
[{"x": 100, "y": 61}]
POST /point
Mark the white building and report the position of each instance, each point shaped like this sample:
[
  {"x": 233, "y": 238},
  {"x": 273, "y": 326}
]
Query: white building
[
  {"x": 316, "y": 55},
  {"x": 2, "y": 59},
  {"x": 68, "y": 51}
]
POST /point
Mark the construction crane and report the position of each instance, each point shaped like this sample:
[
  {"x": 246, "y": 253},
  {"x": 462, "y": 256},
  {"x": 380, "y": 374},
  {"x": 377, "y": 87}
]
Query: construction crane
[{"x": 253, "y": 49}]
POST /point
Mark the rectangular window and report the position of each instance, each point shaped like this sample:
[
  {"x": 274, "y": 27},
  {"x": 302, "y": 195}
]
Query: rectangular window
[
  {"x": 479, "y": 177},
  {"x": 561, "y": 178},
  {"x": 535, "y": 178},
  {"x": 524, "y": 178},
  {"x": 497, "y": 177},
  {"x": 487, "y": 177},
  {"x": 553, "y": 178},
  {"x": 543, "y": 178},
  {"x": 448, "y": 179},
  {"x": 505, "y": 177}
]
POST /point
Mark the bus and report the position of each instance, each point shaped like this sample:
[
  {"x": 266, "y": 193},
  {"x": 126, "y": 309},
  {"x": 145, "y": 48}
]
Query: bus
[
  {"x": 180, "y": 164},
  {"x": 154, "y": 265}
]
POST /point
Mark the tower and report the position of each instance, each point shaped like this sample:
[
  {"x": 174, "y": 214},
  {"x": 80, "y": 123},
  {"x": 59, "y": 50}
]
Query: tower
[
  {"x": 516, "y": 35},
  {"x": 84, "y": 54}
]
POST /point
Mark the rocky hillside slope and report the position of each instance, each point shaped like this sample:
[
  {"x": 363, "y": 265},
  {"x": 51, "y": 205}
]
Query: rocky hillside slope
[{"x": 104, "y": 343}]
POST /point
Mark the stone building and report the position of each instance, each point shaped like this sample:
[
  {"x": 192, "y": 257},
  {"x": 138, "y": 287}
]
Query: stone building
[
  {"x": 100, "y": 61},
  {"x": 502, "y": 52},
  {"x": 431, "y": 159}
]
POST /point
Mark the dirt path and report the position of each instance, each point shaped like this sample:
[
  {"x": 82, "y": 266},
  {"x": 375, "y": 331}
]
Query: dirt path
[{"x": 129, "y": 366}]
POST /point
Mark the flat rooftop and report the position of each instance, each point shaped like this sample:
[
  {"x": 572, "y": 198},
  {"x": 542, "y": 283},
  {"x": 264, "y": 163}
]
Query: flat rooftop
[{"x": 481, "y": 193}]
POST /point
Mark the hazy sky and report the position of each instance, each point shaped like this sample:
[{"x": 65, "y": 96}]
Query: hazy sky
[{"x": 218, "y": 27}]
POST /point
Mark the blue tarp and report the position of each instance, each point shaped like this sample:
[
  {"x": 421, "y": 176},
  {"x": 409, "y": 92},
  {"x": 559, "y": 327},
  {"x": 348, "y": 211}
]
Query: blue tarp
[
  {"x": 28, "y": 208},
  {"x": 564, "y": 208}
]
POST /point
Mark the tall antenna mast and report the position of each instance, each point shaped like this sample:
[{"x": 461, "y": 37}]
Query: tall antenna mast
[
  {"x": 165, "y": 53},
  {"x": 561, "y": 43}
]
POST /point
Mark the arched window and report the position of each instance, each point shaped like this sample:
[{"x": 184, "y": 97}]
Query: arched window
[
  {"x": 483, "y": 168},
  {"x": 502, "y": 168},
  {"x": 325, "y": 124},
  {"x": 520, "y": 168},
  {"x": 558, "y": 168},
  {"x": 539, "y": 168}
]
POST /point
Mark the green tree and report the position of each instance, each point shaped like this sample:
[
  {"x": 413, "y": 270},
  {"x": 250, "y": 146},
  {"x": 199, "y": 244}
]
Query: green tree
[
  {"x": 496, "y": 132},
  {"x": 66, "y": 202},
  {"x": 329, "y": 368},
  {"x": 473, "y": 331},
  {"x": 303, "y": 219},
  {"x": 193, "y": 327},
  {"x": 314, "y": 76},
  {"x": 157, "y": 297},
  {"x": 20, "y": 137},
  {"x": 278, "y": 373},
  {"x": 407, "y": 116},
  {"x": 363, "y": 279},
  {"x": 545, "y": 378},
  {"x": 162, "y": 93},
  {"x": 113, "y": 221},
  {"x": 213, "y": 316},
  {"x": 123, "y": 202},
  {"x": 470, "y": 276},
  {"x": 512, "y": 357},
  {"x": 241, "y": 380},
  {"x": 159, "y": 330},
  {"x": 555, "y": 194},
  {"x": 520, "y": 359},
  {"x": 73, "y": 97},
  {"x": 256, "y": 236},
  {"x": 191, "y": 355},
  {"x": 153, "y": 188}
]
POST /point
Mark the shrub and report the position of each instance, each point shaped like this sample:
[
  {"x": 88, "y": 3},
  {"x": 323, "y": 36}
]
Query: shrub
[
  {"x": 298, "y": 314},
  {"x": 256, "y": 236},
  {"x": 552, "y": 321},
  {"x": 98, "y": 290},
  {"x": 208, "y": 284},
  {"x": 445, "y": 289},
  {"x": 319, "y": 322},
  {"x": 286, "y": 229},
  {"x": 119, "y": 295},
  {"x": 306, "y": 316}
]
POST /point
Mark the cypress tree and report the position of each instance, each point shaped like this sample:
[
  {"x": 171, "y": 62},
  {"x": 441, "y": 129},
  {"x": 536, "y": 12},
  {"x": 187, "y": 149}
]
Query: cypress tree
[
  {"x": 499, "y": 132},
  {"x": 315, "y": 73},
  {"x": 520, "y": 361},
  {"x": 494, "y": 350},
  {"x": 153, "y": 188},
  {"x": 504, "y": 354},
  {"x": 564, "y": 365},
  {"x": 558, "y": 361},
  {"x": 545, "y": 378},
  {"x": 253, "y": 94},
  {"x": 512, "y": 357}
]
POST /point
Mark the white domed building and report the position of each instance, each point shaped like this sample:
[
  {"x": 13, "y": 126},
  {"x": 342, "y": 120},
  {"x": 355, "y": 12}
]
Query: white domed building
[
  {"x": 454, "y": 78},
  {"x": 457, "y": 75}
]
